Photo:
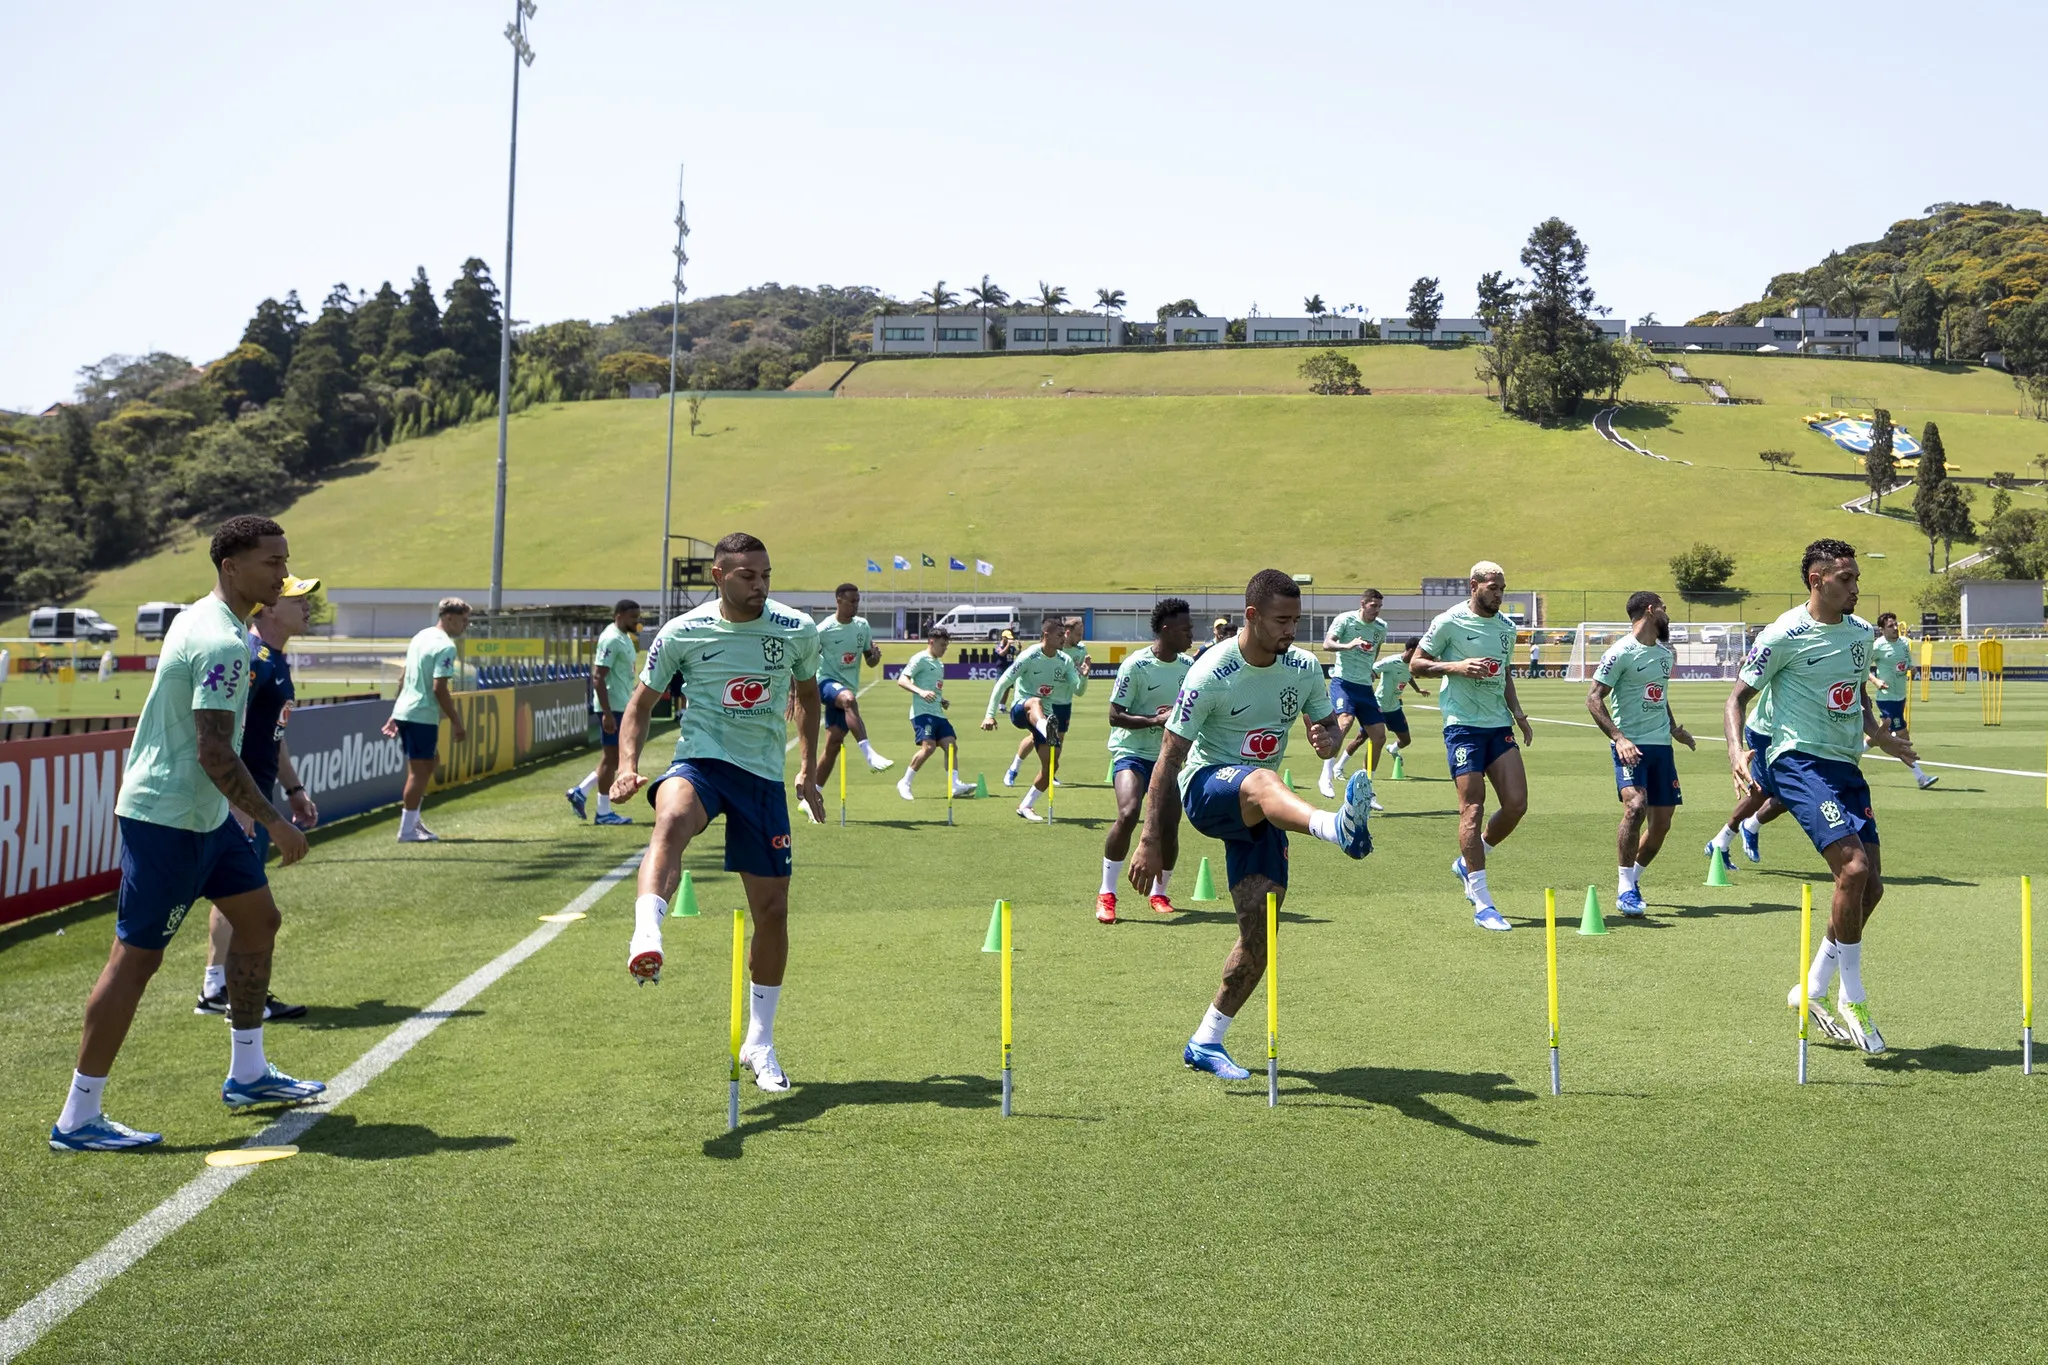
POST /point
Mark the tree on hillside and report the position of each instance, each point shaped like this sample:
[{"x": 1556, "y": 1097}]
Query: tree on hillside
[
  {"x": 1799, "y": 299},
  {"x": 2024, "y": 338},
  {"x": 986, "y": 295},
  {"x": 1920, "y": 318},
  {"x": 1425, "y": 305},
  {"x": 321, "y": 392},
  {"x": 1880, "y": 467},
  {"x": 1110, "y": 301},
  {"x": 1180, "y": 308},
  {"x": 1051, "y": 297},
  {"x": 372, "y": 325},
  {"x": 940, "y": 298},
  {"x": 1778, "y": 459},
  {"x": 1314, "y": 306},
  {"x": 276, "y": 326},
  {"x": 1952, "y": 519},
  {"x": 471, "y": 325},
  {"x": 1498, "y": 298},
  {"x": 415, "y": 332},
  {"x": 244, "y": 377},
  {"x": 1332, "y": 372},
  {"x": 1929, "y": 476},
  {"x": 1847, "y": 295},
  {"x": 1554, "y": 353}
]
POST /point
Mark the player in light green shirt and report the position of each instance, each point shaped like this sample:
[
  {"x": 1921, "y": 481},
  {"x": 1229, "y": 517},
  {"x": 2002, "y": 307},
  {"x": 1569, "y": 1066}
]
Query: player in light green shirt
[
  {"x": 179, "y": 844},
  {"x": 1634, "y": 676},
  {"x": 1354, "y": 640},
  {"x": 1891, "y": 677},
  {"x": 1039, "y": 674},
  {"x": 845, "y": 642},
  {"x": 1147, "y": 683},
  {"x": 614, "y": 665},
  {"x": 1061, "y": 701},
  {"x": 1391, "y": 677},
  {"x": 743, "y": 657},
  {"x": 924, "y": 678},
  {"x": 1815, "y": 658},
  {"x": 423, "y": 699},
  {"x": 1472, "y": 647},
  {"x": 1224, "y": 744},
  {"x": 1755, "y": 807}
]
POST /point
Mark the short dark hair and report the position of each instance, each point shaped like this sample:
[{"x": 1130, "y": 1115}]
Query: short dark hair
[
  {"x": 1885, "y": 616},
  {"x": 843, "y": 588},
  {"x": 935, "y": 631},
  {"x": 1268, "y": 584},
  {"x": 1640, "y": 602},
  {"x": 239, "y": 534},
  {"x": 1825, "y": 549},
  {"x": 624, "y": 605},
  {"x": 738, "y": 543},
  {"x": 1373, "y": 595},
  {"x": 1165, "y": 609},
  {"x": 1412, "y": 642}
]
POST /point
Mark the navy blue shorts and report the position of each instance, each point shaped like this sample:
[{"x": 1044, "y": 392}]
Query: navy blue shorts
[
  {"x": 1131, "y": 763},
  {"x": 1248, "y": 850},
  {"x": 1656, "y": 775},
  {"x": 1063, "y": 712},
  {"x": 1893, "y": 712},
  {"x": 422, "y": 740},
  {"x": 165, "y": 870},
  {"x": 609, "y": 738},
  {"x": 828, "y": 689},
  {"x": 932, "y": 730},
  {"x": 1021, "y": 718},
  {"x": 1355, "y": 699},
  {"x": 1829, "y": 798},
  {"x": 1397, "y": 721},
  {"x": 259, "y": 839},
  {"x": 1475, "y": 748},
  {"x": 1758, "y": 743},
  {"x": 756, "y": 813}
]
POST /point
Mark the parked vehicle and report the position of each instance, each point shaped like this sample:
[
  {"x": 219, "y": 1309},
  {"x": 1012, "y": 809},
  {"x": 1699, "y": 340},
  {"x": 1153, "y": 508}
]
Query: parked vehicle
[
  {"x": 979, "y": 623},
  {"x": 153, "y": 619},
  {"x": 70, "y": 623}
]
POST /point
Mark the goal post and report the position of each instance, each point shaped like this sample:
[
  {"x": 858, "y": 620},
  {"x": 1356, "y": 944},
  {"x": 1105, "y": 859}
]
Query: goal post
[{"x": 1706, "y": 650}]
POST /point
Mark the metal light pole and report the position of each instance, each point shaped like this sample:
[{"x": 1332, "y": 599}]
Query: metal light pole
[
  {"x": 522, "y": 55},
  {"x": 675, "y": 319}
]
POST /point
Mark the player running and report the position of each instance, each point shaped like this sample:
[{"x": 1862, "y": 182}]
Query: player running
[
  {"x": 1389, "y": 678},
  {"x": 924, "y": 678},
  {"x": 741, "y": 655},
  {"x": 612, "y": 669},
  {"x": 1061, "y": 702},
  {"x": 1891, "y": 674},
  {"x": 179, "y": 843},
  {"x": 1636, "y": 672},
  {"x": 1471, "y": 647},
  {"x": 845, "y": 642},
  {"x": 1041, "y": 672},
  {"x": 1223, "y": 747},
  {"x": 1814, "y": 659},
  {"x": 1140, "y": 701},
  {"x": 423, "y": 699},
  {"x": 1354, "y": 639}
]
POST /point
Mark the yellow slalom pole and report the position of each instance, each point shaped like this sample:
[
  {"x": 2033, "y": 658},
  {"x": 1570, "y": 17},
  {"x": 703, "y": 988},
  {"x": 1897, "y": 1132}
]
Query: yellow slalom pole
[
  {"x": 1805, "y": 955},
  {"x": 1006, "y": 1008},
  {"x": 2026, "y": 976},
  {"x": 739, "y": 999},
  {"x": 1272, "y": 999},
  {"x": 844, "y": 757},
  {"x": 951, "y": 751},
  {"x": 1052, "y": 779},
  {"x": 1550, "y": 953}
]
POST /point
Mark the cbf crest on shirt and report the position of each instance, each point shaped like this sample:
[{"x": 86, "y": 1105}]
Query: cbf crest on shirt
[{"x": 737, "y": 675}]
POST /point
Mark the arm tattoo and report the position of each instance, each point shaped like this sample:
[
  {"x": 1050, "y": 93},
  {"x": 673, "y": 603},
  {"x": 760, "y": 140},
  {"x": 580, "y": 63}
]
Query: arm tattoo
[{"x": 218, "y": 756}]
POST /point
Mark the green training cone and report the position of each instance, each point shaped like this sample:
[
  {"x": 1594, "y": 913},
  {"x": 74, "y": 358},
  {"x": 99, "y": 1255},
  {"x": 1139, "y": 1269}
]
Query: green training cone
[
  {"x": 994, "y": 942},
  {"x": 1590, "y": 921},
  {"x": 1398, "y": 774},
  {"x": 1717, "y": 869},
  {"x": 1205, "y": 889},
  {"x": 1287, "y": 776},
  {"x": 980, "y": 787},
  {"x": 686, "y": 899}
]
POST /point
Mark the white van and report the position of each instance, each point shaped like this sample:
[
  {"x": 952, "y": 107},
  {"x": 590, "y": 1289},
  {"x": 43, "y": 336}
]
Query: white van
[
  {"x": 70, "y": 623},
  {"x": 153, "y": 619},
  {"x": 978, "y": 623}
]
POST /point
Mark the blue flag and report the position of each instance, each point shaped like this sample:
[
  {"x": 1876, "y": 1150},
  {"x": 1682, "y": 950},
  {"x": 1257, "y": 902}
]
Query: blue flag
[
  {"x": 953, "y": 563},
  {"x": 874, "y": 567},
  {"x": 901, "y": 562}
]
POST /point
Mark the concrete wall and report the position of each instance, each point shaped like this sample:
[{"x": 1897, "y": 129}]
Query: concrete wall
[{"x": 2001, "y": 602}]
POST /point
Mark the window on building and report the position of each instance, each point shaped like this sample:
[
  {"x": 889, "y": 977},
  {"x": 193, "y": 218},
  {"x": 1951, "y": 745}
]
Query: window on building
[
  {"x": 1784, "y": 336},
  {"x": 903, "y": 334},
  {"x": 1087, "y": 334},
  {"x": 1027, "y": 334},
  {"x": 1275, "y": 334},
  {"x": 1328, "y": 336},
  {"x": 1204, "y": 334},
  {"x": 958, "y": 334},
  {"x": 1887, "y": 336}
]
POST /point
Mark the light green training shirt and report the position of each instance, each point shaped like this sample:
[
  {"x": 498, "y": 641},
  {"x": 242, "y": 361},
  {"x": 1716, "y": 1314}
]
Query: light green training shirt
[
  {"x": 431, "y": 655},
  {"x": 1146, "y": 685},
  {"x": 619, "y": 657},
  {"x": 1891, "y": 667},
  {"x": 842, "y": 648},
  {"x": 929, "y": 673},
  {"x": 1075, "y": 655},
  {"x": 738, "y": 674},
  {"x": 1639, "y": 676},
  {"x": 1355, "y": 665},
  {"x": 1816, "y": 673},
  {"x": 1234, "y": 714},
  {"x": 1389, "y": 676},
  {"x": 204, "y": 667},
  {"x": 1036, "y": 674},
  {"x": 1462, "y": 633}
]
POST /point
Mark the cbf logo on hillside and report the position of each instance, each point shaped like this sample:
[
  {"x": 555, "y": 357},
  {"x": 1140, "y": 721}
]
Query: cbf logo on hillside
[{"x": 1853, "y": 434}]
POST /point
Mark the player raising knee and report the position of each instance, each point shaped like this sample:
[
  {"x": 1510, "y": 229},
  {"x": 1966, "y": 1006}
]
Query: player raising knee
[
  {"x": 1140, "y": 702},
  {"x": 1039, "y": 674},
  {"x": 1891, "y": 679},
  {"x": 1060, "y": 702},
  {"x": 1223, "y": 747},
  {"x": 924, "y": 678},
  {"x": 1354, "y": 639},
  {"x": 1635, "y": 673},
  {"x": 845, "y": 642}
]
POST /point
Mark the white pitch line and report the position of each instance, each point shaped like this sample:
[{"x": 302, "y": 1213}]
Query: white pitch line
[{"x": 27, "y": 1324}]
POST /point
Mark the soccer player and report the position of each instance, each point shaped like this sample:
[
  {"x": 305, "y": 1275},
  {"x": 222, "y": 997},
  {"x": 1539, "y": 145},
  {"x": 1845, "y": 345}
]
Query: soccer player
[
  {"x": 1755, "y": 804},
  {"x": 1220, "y": 630},
  {"x": 1061, "y": 702},
  {"x": 179, "y": 842},
  {"x": 1223, "y": 747},
  {"x": 1471, "y": 647},
  {"x": 265, "y": 755},
  {"x": 1354, "y": 639},
  {"x": 742, "y": 654},
  {"x": 845, "y": 642},
  {"x": 1140, "y": 701},
  {"x": 1891, "y": 671},
  {"x": 612, "y": 670},
  {"x": 423, "y": 698},
  {"x": 1389, "y": 678},
  {"x": 1040, "y": 672},
  {"x": 1636, "y": 673},
  {"x": 924, "y": 678},
  {"x": 1815, "y": 658}
]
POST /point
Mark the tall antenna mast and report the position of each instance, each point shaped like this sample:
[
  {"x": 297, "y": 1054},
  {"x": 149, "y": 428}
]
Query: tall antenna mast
[{"x": 675, "y": 324}]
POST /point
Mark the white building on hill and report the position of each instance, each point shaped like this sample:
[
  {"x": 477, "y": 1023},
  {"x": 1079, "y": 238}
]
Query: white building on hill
[
  {"x": 1061, "y": 331},
  {"x": 1813, "y": 331},
  {"x": 1328, "y": 327},
  {"x": 911, "y": 333}
]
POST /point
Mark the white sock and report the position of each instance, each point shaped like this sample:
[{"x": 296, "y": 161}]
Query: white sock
[
  {"x": 1475, "y": 882},
  {"x": 1030, "y": 798},
  {"x": 761, "y": 1016},
  {"x": 1215, "y": 1023},
  {"x": 867, "y": 751},
  {"x": 908, "y": 775},
  {"x": 1485, "y": 847},
  {"x": 1636, "y": 880},
  {"x": 588, "y": 784},
  {"x": 245, "y": 1054},
  {"x": 1822, "y": 973},
  {"x": 1753, "y": 825},
  {"x": 1112, "y": 873},
  {"x": 604, "y": 804},
  {"x": 1725, "y": 838},
  {"x": 1919, "y": 772},
  {"x": 216, "y": 981},
  {"x": 1393, "y": 747},
  {"x": 1628, "y": 880},
  {"x": 1323, "y": 824},
  {"x": 408, "y": 822},
  {"x": 1849, "y": 962},
  {"x": 82, "y": 1105},
  {"x": 648, "y": 912},
  {"x": 1159, "y": 883},
  {"x": 1015, "y": 763}
]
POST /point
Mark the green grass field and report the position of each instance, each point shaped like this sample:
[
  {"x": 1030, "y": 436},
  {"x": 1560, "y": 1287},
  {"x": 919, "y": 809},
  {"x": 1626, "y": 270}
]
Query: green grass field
[
  {"x": 1139, "y": 373},
  {"x": 546, "y": 1177}
]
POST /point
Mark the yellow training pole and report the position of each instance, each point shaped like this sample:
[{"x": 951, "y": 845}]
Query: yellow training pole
[
  {"x": 1052, "y": 778},
  {"x": 1006, "y": 1007},
  {"x": 1926, "y": 669},
  {"x": 950, "y": 751},
  {"x": 1550, "y": 953},
  {"x": 2026, "y": 976},
  {"x": 1272, "y": 999},
  {"x": 1805, "y": 954},
  {"x": 843, "y": 758},
  {"x": 739, "y": 998}
]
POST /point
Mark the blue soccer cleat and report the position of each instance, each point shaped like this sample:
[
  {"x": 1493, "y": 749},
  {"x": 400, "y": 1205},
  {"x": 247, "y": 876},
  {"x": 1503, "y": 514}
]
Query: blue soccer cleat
[
  {"x": 272, "y": 1087},
  {"x": 1727, "y": 863},
  {"x": 1211, "y": 1057},
  {"x": 1752, "y": 844},
  {"x": 575, "y": 797},
  {"x": 1630, "y": 903},
  {"x": 1351, "y": 821},
  {"x": 101, "y": 1135},
  {"x": 611, "y": 817},
  {"x": 1486, "y": 917}
]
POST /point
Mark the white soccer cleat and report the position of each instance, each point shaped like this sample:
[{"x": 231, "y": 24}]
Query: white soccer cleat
[
  {"x": 963, "y": 788},
  {"x": 1376, "y": 804},
  {"x": 768, "y": 1074},
  {"x": 1855, "y": 1017},
  {"x": 876, "y": 763},
  {"x": 1326, "y": 785},
  {"x": 1029, "y": 814},
  {"x": 420, "y": 835},
  {"x": 643, "y": 956},
  {"x": 1817, "y": 1010},
  {"x": 903, "y": 788},
  {"x": 1927, "y": 780}
]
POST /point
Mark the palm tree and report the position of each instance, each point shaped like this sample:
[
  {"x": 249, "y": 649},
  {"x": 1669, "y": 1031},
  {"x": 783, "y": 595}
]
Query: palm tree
[
  {"x": 1851, "y": 292},
  {"x": 1109, "y": 301},
  {"x": 878, "y": 311},
  {"x": 1799, "y": 300},
  {"x": 940, "y": 299},
  {"x": 1314, "y": 306},
  {"x": 1946, "y": 297},
  {"x": 1050, "y": 296},
  {"x": 986, "y": 295}
]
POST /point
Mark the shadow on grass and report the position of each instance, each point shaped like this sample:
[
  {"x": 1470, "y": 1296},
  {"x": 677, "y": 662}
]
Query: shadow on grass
[
  {"x": 1821, "y": 875},
  {"x": 341, "y": 1135},
  {"x": 813, "y": 1101},
  {"x": 1407, "y": 1091},
  {"x": 1408, "y": 814},
  {"x": 1183, "y": 915},
  {"x": 1950, "y": 1059},
  {"x": 1715, "y": 911},
  {"x": 369, "y": 1014}
]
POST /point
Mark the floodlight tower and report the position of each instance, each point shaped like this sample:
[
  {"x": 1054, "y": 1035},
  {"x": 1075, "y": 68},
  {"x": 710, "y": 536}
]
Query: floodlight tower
[
  {"x": 675, "y": 322},
  {"x": 522, "y": 55}
]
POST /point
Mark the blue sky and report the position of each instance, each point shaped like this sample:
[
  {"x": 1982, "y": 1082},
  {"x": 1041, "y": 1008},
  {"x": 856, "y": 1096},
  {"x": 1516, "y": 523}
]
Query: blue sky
[{"x": 168, "y": 166}]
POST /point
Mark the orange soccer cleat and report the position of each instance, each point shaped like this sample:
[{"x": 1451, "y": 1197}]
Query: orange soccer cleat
[{"x": 1105, "y": 907}]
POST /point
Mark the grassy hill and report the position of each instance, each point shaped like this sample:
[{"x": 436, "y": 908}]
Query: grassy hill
[
  {"x": 1017, "y": 374},
  {"x": 1808, "y": 383}
]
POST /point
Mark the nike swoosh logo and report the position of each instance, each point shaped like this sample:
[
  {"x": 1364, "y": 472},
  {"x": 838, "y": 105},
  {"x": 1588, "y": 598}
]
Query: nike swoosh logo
[
  {"x": 1818, "y": 659},
  {"x": 1239, "y": 710},
  {"x": 711, "y": 653}
]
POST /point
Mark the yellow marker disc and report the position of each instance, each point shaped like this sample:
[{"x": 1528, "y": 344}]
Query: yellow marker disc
[
  {"x": 250, "y": 1156},
  {"x": 566, "y": 917}
]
